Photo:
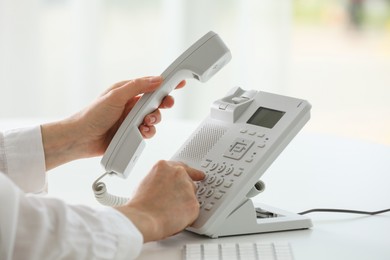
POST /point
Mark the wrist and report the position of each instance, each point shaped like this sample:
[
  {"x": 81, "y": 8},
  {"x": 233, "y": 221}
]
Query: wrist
[
  {"x": 146, "y": 223},
  {"x": 60, "y": 142}
]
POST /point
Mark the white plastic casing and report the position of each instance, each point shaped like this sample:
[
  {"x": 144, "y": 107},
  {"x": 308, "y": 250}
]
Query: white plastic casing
[{"x": 234, "y": 153}]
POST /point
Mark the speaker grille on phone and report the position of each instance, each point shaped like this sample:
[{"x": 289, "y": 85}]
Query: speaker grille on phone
[{"x": 202, "y": 142}]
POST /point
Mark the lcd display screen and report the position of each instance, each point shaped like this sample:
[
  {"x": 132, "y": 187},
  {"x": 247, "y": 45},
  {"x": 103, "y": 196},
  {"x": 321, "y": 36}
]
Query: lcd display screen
[{"x": 265, "y": 117}]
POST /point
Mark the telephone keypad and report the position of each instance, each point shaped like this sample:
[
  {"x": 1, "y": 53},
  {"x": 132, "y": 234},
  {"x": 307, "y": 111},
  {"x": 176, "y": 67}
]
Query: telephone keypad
[{"x": 220, "y": 177}]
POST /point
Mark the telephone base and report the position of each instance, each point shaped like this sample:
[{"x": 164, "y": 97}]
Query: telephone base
[{"x": 263, "y": 219}]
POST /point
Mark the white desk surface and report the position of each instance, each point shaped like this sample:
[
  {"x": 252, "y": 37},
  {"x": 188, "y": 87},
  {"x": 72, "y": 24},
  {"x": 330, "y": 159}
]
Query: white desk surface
[{"x": 315, "y": 170}]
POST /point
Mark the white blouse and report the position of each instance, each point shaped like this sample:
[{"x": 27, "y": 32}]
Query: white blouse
[{"x": 37, "y": 227}]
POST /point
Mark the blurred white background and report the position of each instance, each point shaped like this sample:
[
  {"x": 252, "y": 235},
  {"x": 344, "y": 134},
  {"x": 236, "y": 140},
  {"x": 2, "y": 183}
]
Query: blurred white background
[{"x": 56, "y": 56}]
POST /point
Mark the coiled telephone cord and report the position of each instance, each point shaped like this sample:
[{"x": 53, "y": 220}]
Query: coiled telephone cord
[{"x": 103, "y": 196}]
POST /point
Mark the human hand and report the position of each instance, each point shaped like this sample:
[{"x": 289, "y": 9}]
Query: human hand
[
  {"x": 89, "y": 132},
  {"x": 165, "y": 202}
]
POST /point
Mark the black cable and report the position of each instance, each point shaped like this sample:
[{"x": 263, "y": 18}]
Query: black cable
[{"x": 344, "y": 211}]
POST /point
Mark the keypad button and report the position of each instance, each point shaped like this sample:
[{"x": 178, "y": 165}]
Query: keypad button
[
  {"x": 228, "y": 184},
  {"x": 205, "y": 163},
  {"x": 201, "y": 190},
  {"x": 229, "y": 170},
  {"x": 211, "y": 179},
  {"x": 218, "y": 195},
  {"x": 209, "y": 193},
  {"x": 219, "y": 181},
  {"x": 221, "y": 168},
  {"x": 209, "y": 206},
  {"x": 213, "y": 166},
  {"x": 238, "y": 173},
  {"x": 238, "y": 148}
]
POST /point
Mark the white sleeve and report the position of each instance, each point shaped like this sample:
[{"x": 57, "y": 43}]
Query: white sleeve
[
  {"x": 35, "y": 227},
  {"x": 47, "y": 228},
  {"x": 22, "y": 158}
]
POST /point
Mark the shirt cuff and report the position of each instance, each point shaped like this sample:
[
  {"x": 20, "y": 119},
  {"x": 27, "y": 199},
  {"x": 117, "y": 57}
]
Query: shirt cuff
[
  {"x": 130, "y": 239},
  {"x": 25, "y": 159}
]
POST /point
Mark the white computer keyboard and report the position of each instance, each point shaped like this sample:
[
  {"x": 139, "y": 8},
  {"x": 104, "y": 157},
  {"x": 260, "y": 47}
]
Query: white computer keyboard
[{"x": 242, "y": 251}]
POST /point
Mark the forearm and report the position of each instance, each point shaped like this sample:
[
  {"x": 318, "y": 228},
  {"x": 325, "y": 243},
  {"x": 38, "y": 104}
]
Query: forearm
[
  {"x": 89, "y": 132},
  {"x": 62, "y": 142},
  {"x": 145, "y": 223}
]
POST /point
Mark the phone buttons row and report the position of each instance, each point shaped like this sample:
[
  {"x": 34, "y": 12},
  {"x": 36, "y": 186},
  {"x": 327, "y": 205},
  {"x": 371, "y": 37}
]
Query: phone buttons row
[
  {"x": 209, "y": 192},
  {"x": 216, "y": 181},
  {"x": 252, "y": 133},
  {"x": 210, "y": 179},
  {"x": 212, "y": 166},
  {"x": 211, "y": 196}
]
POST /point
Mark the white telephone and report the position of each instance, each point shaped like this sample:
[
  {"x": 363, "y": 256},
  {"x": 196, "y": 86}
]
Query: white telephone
[
  {"x": 200, "y": 61},
  {"x": 234, "y": 145}
]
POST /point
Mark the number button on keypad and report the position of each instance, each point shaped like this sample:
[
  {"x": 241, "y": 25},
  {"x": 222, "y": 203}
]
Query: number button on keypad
[
  {"x": 211, "y": 179},
  {"x": 221, "y": 168},
  {"x": 209, "y": 193},
  {"x": 219, "y": 181},
  {"x": 202, "y": 190},
  {"x": 229, "y": 170}
]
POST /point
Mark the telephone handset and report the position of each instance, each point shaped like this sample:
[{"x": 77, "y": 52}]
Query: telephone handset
[
  {"x": 200, "y": 61},
  {"x": 234, "y": 145}
]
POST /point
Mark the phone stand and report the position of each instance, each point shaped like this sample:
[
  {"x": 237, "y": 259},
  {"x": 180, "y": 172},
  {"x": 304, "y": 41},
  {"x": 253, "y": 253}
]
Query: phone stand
[{"x": 248, "y": 219}]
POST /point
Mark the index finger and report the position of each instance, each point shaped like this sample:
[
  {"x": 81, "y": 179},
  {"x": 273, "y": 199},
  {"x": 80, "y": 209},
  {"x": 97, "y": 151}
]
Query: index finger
[
  {"x": 194, "y": 174},
  {"x": 138, "y": 86}
]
